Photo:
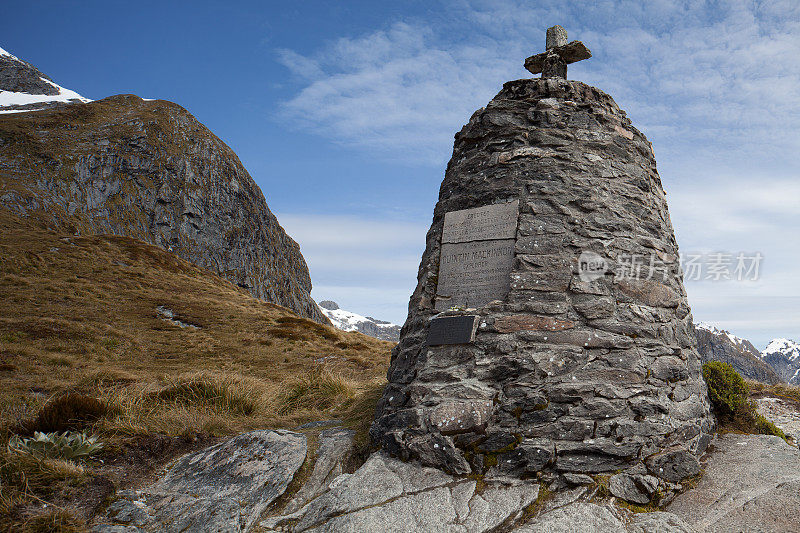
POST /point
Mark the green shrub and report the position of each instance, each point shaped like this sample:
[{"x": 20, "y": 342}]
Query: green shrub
[
  {"x": 765, "y": 427},
  {"x": 67, "y": 445},
  {"x": 729, "y": 395},
  {"x": 726, "y": 388}
]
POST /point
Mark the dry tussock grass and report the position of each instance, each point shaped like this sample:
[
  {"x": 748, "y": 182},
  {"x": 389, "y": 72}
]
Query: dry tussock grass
[
  {"x": 79, "y": 330},
  {"x": 781, "y": 390}
]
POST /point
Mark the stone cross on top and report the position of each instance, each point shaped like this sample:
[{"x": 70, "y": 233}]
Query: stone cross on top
[{"x": 553, "y": 63}]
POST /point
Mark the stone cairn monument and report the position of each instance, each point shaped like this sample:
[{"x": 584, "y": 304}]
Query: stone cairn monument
[{"x": 549, "y": 332}]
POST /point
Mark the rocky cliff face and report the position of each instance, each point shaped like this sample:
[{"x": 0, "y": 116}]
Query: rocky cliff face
[
  {"x": 570, "y": 370},
  {"x": 714, "y": 344},
  {"x": 150, "y": 170},
  {"x": 783, "y": 355}
]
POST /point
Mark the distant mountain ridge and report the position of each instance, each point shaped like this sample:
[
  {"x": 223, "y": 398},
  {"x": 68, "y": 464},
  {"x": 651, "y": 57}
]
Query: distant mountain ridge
[
  {"x": 783, "y": 355},
  {"x": 348, "y": 321},
  {"x": 716, "y": 344},
  {"x": 147, "y": 170}
]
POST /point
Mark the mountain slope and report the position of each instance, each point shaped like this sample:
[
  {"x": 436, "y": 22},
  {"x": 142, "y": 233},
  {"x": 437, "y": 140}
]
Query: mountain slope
[
  {"x": 348, "y": 321},
  {"x": 783, "y": 355},
  {"x": 24, "y": 88},
  {"x": 175, "y": 354},
  {"x": 150, "y": 170},
  {"x": 715, "y": 344}
]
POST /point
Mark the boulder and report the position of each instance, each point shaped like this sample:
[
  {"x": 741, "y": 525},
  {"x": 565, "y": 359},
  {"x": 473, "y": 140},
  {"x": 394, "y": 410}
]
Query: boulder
[
  {"x": 224, "y": 488},
  {"x": 674, "y": 464}
]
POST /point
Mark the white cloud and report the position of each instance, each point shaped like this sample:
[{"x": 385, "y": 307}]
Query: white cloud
[
  {"x": 347, "y": 232},
  {"x": 725, "y": 74},
  {"x": 394, "y": 92},
  {"x": 366, "y": 265}
]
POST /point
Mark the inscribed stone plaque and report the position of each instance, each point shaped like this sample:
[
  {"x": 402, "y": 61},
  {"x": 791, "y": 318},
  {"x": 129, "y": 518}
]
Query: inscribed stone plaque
[
  {"x": 496, "y": 221},
  {"x": 452, "y": 330},
  {"x": 472, "y": 274}
]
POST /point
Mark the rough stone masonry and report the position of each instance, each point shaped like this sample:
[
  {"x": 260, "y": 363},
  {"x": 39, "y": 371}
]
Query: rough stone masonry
[{"x": 551, "y": 366}]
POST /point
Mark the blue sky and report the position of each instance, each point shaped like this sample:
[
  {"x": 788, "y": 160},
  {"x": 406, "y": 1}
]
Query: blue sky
[{"x": 344, "y": 114}]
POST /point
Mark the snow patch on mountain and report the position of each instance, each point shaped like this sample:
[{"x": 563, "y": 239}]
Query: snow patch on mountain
[
  {"x": 783, "y": 355},
  {"x": 786, "y": 347},
  {"x": 9, "y": 99},
  {"x": 25, "y": 76},
  {"x": 349, "y": 321}
]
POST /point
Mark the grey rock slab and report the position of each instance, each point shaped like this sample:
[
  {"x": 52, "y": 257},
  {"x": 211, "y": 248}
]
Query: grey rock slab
[
  {"x": 750, "y": 483},
  {"x": 584, "y": 517},
  {"x": 659, "y": 523},
  {"x": 106, "y": 528},
  {"x": 776, "y": 510},
  {"x": 320, "y": 424},
  {"x": 386, "y": 494},
  {"x": 578, "y": 517},
  {"x": 335, "y": 445},
  {"x": 224, "y": 488},
  {"x": 783, "y": 413},
  {"x": 497, "y": 503},
  {"x": 379, "y": 480},
  {"x": 431, "y": 511}
]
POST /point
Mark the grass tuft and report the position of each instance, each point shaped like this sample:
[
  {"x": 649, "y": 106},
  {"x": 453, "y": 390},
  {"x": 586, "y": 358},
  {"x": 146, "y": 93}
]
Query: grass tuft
[
  {"x": 228, "y": 393},
  {"x": 318, "y": 390},
  {"x": 66, "y": 412},
  {"x": 54, "y": 521}
]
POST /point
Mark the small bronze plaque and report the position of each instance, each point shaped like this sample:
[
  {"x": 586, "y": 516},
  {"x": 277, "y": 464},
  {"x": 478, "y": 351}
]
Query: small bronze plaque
[{"x": 452, "y": 330}]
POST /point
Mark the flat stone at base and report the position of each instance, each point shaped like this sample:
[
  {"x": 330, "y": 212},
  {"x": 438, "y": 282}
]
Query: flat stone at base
[
  {"x": 388, "y": 495},
  {"x": 583, "y": 517}
]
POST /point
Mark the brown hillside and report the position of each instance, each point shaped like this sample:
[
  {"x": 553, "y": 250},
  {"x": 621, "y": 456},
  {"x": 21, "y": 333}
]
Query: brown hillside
[{"x": 81, "y": 315}]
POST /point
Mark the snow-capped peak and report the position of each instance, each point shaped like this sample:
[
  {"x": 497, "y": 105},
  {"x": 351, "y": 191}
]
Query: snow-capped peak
[
  {"x": 717, "y": 331},
  {"x": 349, "y": 321},
  {"x": 24, "y": 88},
  {"x": 786, "y": 347},
  {"x": 7, "y": 54}
]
